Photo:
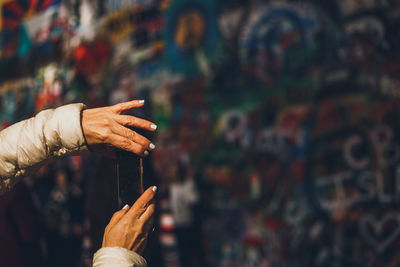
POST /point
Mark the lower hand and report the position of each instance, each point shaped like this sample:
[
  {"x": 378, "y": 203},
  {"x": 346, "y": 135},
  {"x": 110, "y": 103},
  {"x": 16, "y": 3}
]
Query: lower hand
[{"x": 129, "y": 227}]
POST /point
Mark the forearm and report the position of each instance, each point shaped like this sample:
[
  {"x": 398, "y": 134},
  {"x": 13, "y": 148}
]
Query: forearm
[{"x": 27, "y": 145}]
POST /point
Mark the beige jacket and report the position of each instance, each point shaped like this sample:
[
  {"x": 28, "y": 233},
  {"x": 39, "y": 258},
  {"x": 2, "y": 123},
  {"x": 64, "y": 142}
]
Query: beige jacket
[{"x": 52, "y": 133}]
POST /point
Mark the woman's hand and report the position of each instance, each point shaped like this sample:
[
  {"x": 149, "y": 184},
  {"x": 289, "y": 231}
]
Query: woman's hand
[
  {"x": 129, "y": 227},
  {"x": 103, "y": 129}
]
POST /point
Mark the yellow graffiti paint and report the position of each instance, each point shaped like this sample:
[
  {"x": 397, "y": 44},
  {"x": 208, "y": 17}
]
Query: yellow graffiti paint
[
  {"x": 2, "y": 2},
  {"x": 121, "y": 24}
]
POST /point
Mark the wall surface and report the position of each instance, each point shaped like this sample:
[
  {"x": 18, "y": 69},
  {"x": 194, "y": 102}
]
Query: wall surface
[{"x": 286, "y": 111}]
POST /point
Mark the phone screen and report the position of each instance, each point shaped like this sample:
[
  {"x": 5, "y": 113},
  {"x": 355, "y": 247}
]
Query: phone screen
[{"x": 130, "y": 177}]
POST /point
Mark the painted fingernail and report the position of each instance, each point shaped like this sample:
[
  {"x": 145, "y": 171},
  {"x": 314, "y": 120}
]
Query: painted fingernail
[
  {"x": 153, "y": 126},
  {"x": 152, "y": 146},
  {"x": 141, "y": 101},
  {"x": 154, "y": 189},
  {"x": 146, "y": 152},
  {"x": 125, "y": 207}
]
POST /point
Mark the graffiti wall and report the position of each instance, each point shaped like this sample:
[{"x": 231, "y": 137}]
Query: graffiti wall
[{"x": 286, "y": 112}]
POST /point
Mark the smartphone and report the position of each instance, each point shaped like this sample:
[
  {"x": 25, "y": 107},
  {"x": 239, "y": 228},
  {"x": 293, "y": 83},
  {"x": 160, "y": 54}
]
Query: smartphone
[{"x": 130, "y": 178}]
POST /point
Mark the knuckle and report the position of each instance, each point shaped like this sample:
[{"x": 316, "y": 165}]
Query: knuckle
[
  {"x": 105, "y": 134},
  {"x": 121, "y": 227},
  {"x": 124, "y": 223},
  {"x": 117, "y": 107},
  {"x": 118, "y": 214},
  {"x": 141, "y": 204},
  {"x": 132, "y": 120},
  {"x": 125, "y": 143},
  {"x": 105, "y": 121},
  {"x": 125, "y": 232},
  {"x": 131, "y": 134}
]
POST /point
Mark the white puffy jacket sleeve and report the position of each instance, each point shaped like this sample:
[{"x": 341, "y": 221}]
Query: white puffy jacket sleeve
[
  {"x": 117, "y": 257},
  {"x": 27, "y": 145}
]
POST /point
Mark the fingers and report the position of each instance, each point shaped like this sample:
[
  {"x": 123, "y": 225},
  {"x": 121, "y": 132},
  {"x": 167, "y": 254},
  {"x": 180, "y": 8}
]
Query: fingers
[
  {"x": 143, "y": 203},
  {"x": 128, "y": 145},
  {"x": 121, "y": 107},
  {"x": 148, "y": 214},
  {"x": 118, "y": 215},
  {"x": 133, "y": 136},
  {"x": 105, "y": 126},
  {"x": 132, "y": 121}
]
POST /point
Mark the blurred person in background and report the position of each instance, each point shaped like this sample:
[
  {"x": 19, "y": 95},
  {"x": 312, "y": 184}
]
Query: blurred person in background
[
  {"x": 77, "y": 197},
  {"x": 72, "y": 129},
  {"x": 58, "y": 219},
  {"x": 183, "y": 198},
  {"x": 42, "y": 183}
]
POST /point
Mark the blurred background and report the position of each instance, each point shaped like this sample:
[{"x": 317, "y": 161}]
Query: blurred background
[{"x": 278, "y": 140}]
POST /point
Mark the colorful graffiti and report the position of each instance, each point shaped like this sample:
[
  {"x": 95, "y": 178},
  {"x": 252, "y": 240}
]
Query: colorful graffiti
[{"x": 284, "y": 112}]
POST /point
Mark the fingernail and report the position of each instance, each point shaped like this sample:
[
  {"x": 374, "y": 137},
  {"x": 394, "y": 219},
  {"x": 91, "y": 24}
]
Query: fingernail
[
  {"x": 146, "y": 153},
  {"x": 153, "y": 126},
  {"x": 152, "y": 146},
  {"x": 141, "y": 101},
  {"x": 125, "y": 207},
  {"x": 154, "y": 189}
]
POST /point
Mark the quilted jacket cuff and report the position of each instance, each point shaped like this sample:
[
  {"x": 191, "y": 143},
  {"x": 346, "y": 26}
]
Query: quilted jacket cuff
[{"x": 117, "y": 257}]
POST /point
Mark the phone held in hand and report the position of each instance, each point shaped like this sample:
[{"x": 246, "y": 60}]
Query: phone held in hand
[{"x": 130, "y": 177}]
